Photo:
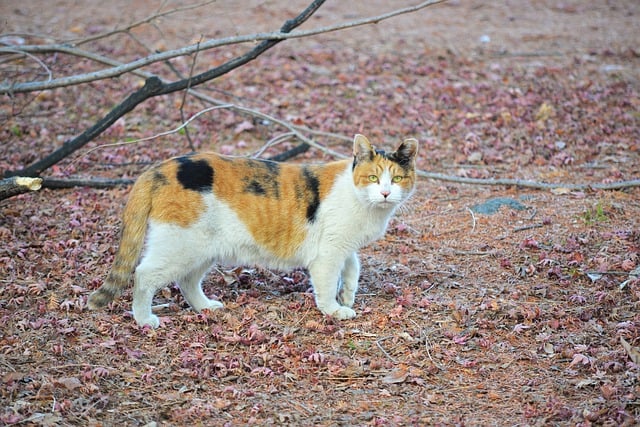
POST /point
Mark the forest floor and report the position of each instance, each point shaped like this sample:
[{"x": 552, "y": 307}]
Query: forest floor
[{"x": 528, "y": 315}]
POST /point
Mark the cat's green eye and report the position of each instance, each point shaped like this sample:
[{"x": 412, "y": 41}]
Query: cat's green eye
[
  {"x": 373, "y": 178},
  {"x": 397, "y": 178}
]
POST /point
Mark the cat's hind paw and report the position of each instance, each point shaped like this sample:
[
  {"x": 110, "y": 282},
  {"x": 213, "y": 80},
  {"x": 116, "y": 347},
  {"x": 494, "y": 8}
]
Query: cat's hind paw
[{"x": 343, "y": 313}]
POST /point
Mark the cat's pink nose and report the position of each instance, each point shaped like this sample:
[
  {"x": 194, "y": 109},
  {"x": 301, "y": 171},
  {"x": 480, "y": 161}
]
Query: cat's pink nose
[{"x": 385, "y": 193}]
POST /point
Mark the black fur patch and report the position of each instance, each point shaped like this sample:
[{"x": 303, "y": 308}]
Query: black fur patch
[
  {"x": 159, "y": 180},
  {"x": 401, "y": 159},
  {"x": 263, "y": 180},
  {"x": 313, "y": 193},
  {"x": 195, "y": 175},
  {"x": 253, "y": 186}
]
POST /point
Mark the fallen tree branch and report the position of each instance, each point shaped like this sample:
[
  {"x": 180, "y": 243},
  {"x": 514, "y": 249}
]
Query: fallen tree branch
[
  {"x": 289, "y": 154},
  {"x": 13, "y": 186},
  {"x": 155, "y": 87},
  {"x": 273, "y": 37},
  {"x": 532, "y": 184},
  {"x": 85, "y": 182}
]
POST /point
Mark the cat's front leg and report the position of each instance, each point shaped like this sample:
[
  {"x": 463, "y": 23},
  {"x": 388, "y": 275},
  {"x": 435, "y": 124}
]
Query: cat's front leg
[
  {"x": 350, "y": 276},
  {"x": 324, "y": 277}
]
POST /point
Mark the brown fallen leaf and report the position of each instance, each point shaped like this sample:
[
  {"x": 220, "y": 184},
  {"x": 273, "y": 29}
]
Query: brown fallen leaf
[
  {"x": 633, "y": 352},
  {"x": 70, "y": 383},
  {"x": 12, "y": 377},
  {"x": 398, "y": 375}
]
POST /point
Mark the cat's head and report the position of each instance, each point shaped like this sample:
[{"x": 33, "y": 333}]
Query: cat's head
[{"x": 384, "y": 180}]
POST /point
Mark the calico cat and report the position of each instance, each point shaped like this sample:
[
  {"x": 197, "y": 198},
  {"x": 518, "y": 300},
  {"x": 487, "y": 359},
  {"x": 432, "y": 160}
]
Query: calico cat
[{"x": 206, "y": 208}]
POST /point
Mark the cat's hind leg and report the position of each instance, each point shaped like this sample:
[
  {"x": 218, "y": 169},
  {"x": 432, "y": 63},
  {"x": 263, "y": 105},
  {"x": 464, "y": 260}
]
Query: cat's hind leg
[
  {"x": 168, "y": 256},
  {"x": 349, "y": 279},
  {"x": 149, "y": 278},
  {"x": 191, "y": 288}
]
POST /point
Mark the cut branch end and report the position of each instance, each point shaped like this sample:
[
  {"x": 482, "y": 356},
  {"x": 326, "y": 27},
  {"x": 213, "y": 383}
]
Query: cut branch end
[{"x": 15, "y": 185}]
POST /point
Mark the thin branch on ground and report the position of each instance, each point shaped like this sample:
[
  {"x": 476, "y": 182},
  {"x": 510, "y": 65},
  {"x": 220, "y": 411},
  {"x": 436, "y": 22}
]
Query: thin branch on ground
[
  {"x": 387, "y": 355},
  {"x": 528, "y": 227},
  {"x": 183, "y": 125},
  {"x": 293, "y": 131},
  {"x": 473, "y": 218},
  {"x": 273, "y": 37},
  {"x": 278, "y": 139}
]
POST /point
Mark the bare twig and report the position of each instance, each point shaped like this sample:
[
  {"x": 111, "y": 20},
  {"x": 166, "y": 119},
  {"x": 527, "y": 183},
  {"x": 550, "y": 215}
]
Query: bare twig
[
  {"x": 184, "y": 98},
  {"x": 387, "y": 355},
  {"x": 473, "y": 217},
  {"x": 273, "y": 142},
  {"x": 161, "y": 134},
  {"x": 528, "y": 227},
  {"x": 424, "y": 334}
]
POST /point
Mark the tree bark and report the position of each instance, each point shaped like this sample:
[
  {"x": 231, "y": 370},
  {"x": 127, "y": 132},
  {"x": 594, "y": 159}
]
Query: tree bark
[
  {"x": 85, "y": 182},
  {"x": 15, "y": 185}
]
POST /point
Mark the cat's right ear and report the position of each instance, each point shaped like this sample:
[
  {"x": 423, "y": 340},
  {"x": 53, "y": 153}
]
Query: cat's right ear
[{"x": 362, "y": 149}]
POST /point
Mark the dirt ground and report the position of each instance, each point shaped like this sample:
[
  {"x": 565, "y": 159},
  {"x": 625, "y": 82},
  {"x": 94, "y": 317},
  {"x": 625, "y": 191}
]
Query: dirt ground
[{"x": 524, "y": 316}]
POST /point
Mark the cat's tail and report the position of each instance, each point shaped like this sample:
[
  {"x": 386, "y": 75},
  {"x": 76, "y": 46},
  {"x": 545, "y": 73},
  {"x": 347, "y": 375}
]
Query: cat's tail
[{"x": 134, "y": 227}]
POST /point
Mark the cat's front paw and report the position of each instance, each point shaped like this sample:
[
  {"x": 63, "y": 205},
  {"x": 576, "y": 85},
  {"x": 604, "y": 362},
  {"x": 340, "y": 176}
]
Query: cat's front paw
[
  {"x": 151, "y": 320},
  {"x": 343, "y": 313},
  {"x": 210, "y": 305}
]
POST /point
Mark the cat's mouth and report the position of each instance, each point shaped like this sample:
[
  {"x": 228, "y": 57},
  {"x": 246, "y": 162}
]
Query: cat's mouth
[{"x": 385, "y": 203}]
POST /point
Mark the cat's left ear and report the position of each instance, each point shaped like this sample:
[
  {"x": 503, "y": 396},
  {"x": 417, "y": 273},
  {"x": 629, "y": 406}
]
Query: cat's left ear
[{"x": 407, "y": 151}]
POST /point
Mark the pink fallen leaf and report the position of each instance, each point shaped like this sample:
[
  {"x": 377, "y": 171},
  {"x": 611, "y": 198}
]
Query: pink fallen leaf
[
  {"x": 245, "y": 125},
  {"x": 317, "y": 358},
  {"x": 254, "y": 335},
  {"x": 460, "y": 339},
  {"x": 628, "y": 265},
  {"x": 578, "y": 359},
  {"x": 520, "y": 327},
  {"x": 100, "y": 372}
]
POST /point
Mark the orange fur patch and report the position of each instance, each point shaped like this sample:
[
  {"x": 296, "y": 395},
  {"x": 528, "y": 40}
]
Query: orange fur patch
[{"x": 171, "y": 202}]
